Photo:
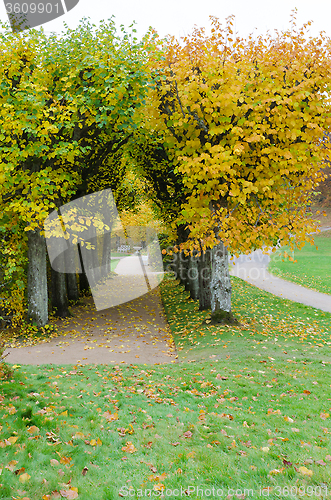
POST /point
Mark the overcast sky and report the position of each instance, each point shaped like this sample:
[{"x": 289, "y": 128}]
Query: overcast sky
[{"x": 177, "y": 17}]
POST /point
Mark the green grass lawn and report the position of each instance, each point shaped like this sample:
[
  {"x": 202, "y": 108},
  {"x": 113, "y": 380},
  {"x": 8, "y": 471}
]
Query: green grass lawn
[
  {"x": 245, "y": 408},
  {"x": 113, "y": 264},
  {"x": 313, "y": 267}
]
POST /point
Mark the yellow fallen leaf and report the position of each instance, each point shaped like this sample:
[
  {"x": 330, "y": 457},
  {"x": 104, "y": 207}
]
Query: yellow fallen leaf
[
  {"x": 12, "y": 439},
  {"x": 65, "y": 460},
  {"x": 71, "y": 494},
  {"x": 110, "y": 416},
  {"x": 99, "y": 442},
  {"x": 33, "y": 429},
  {"x": 24, "y": 477},
  {"x": 129, "y": 447},
  {"x": 93, "y": 442},
  {"x": 306, "y": 472},
  {"x": 79, "y": 435},
  {"x": 276, "y": 471},
  {"x": 65, "y": 413},
  {"x": 11, "y": 465},
  {"x": 159, "y": 487},
  {"x": 265, "y": 449}
]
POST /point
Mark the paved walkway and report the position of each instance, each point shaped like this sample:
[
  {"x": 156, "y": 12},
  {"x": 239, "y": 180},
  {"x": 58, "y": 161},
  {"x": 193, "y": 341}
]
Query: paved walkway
[{"x": 253, "y": 269}]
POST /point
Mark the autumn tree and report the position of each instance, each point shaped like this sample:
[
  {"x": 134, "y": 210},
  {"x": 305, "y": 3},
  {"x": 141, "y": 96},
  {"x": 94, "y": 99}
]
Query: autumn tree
[
  {"x": 244, "y": 118},
  {"x": 67, "y": 105}
]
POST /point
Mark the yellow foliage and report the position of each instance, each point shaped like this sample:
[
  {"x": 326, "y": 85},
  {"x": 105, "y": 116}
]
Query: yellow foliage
[{"x": 245, "y": 121}]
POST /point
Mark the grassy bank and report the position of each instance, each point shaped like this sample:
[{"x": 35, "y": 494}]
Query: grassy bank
[
  {"x": 313, "y": 266},
  {"x": 249, "y": 417}
]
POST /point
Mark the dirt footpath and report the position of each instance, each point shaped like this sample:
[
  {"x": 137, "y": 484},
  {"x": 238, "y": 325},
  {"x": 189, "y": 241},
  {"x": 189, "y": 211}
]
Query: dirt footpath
[{"x": 134, "y": 332}]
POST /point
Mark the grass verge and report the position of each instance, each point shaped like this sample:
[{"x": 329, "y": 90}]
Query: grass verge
[
  {"x": 312, "y": 268},
  {"x": 250, "y": 417}
]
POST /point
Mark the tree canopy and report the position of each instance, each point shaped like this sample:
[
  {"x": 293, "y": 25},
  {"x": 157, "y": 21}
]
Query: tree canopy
[{"x": 245, "y": 120}]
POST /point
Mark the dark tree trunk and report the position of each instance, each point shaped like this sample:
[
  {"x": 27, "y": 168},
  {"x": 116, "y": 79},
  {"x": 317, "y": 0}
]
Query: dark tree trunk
[
  {"x": 84, "y": 285},
  {"x": 91, "y": 261},
  {"x": 180, "y": 263},
  {"x": 72, "y": 287},
  {"x": 193, "y": 276},
  {"x": 183, "y": 269},
  {"x": 220, "y": 280},
  {"x": 72, "y": 268},
  {"x": 37, "y": 279},
  {"x": 59, "y": 294},
  {"x": 204, "y": 270}
]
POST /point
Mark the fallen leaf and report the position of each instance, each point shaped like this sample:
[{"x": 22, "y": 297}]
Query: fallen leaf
[
  {"x": 286, "y": 463},
  {"x": 24, "y": 477},
  {"x": 54, "y": 462},
  {"x": 19, "y": 471},
  {"x": 129, "y": 447},
  {"x": 71, "y": 494},
  {"x": 320, "y": 462},
  {"x": 159, "y": 487},
  {"x": 11, "y": 440},
  {"x": 33, "y": 429},
  {"x": 276, "y": 471},
  {"x": 78, "y": 435},
  {"x": 187, "y": 434},
  {"x": 110, "y": 416},
  {"x": 304, "y": 471},
  {"x": 84, "y": 471},
  {"x": 11, "y": 465}
]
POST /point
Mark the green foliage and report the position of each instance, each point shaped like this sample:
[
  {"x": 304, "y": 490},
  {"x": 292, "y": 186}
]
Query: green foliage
[{"x": 67, "y": 108}]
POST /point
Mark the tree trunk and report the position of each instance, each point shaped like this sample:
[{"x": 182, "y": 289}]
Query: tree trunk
[
  {"x": 72, "y": 268},
  {"x": 84, "y": 285},
  {"x": 204, "y": 271},
  {"x": 59, "y": 294},
  {"x": 183, "y": 269},
  {"x": 106, "y": 253},
  {"x": 37, "y": 279},
  {"x": 220, "y": 285},
  {"x": 193, "y": 276},
  {"x": 72, "y": 286}
]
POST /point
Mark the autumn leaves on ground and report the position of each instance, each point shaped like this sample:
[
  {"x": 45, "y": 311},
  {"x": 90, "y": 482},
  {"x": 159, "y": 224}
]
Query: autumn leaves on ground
[{"x": 246, "y": 407}]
